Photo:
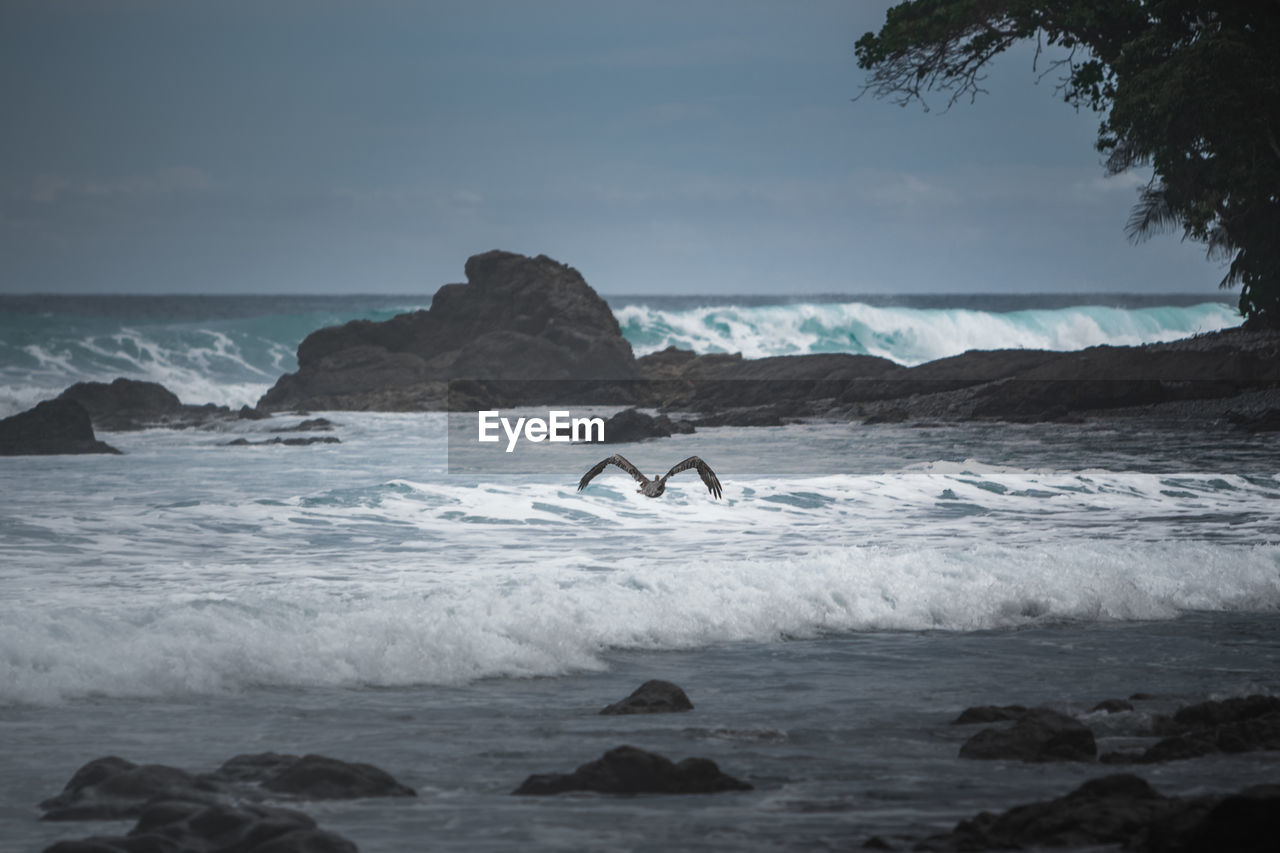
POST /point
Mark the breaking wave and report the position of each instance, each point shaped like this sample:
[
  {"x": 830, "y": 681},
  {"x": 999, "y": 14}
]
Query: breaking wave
[{"x": 908, "y": 335}]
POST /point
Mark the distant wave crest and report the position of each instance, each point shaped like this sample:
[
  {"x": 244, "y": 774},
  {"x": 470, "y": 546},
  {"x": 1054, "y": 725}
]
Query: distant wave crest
[{"x": 908, "y": 335}]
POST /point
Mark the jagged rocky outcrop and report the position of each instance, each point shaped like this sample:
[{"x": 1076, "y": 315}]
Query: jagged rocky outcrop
[
  {"x": 652, "y": 697},
  {"x": 517, "y": 318},
  {"x": 628, "y": 770},
  {"x": 52, "y": 427}
]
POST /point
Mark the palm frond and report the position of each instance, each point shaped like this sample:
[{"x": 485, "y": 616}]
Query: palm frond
[{"x": 1153, "y": 213}]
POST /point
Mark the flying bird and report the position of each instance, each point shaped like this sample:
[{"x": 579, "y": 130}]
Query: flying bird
[{"x": 655, "y": 487}]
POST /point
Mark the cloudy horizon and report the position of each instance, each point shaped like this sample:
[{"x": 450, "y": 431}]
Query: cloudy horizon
[{"x": 700, "y": 148}]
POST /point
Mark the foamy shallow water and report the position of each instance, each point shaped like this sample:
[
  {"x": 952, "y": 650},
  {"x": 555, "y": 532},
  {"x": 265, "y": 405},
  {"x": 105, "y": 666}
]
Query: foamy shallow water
[{"x": 855, "y": 588}]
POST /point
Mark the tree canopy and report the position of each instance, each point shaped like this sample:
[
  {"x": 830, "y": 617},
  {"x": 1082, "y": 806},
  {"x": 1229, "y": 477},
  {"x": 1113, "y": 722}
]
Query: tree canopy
[{"x": 1190, "y": 88}]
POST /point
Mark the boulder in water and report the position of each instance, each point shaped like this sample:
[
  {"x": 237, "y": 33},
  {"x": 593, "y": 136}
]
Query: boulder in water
[
  {"x": 1038, "y": 735},
  {"x": 627, "y": 770},
  {"x": 652, "y": 697},
  {"x": 52, "y": 427}
]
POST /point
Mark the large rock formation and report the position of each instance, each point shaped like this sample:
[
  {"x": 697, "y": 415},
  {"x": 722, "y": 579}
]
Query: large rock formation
[
  {"x": 517, "y": 318},
  {"x": 52, "y": 427}
]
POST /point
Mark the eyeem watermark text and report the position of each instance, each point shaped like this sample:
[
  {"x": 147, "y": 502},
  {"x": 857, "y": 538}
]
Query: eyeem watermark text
[{"x": 558, "y": 426}]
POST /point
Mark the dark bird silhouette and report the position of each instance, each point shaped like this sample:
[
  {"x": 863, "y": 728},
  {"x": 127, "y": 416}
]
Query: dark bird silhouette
[{"x": 655, "y": 487}]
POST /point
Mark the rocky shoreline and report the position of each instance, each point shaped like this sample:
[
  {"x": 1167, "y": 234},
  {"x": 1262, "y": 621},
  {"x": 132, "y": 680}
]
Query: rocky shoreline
[
  {"x": 531, "y": 331},
  {"x": 251, "y": 802}
]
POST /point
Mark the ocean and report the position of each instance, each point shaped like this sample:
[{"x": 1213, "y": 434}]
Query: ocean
[{"x": 854, "y": 590}]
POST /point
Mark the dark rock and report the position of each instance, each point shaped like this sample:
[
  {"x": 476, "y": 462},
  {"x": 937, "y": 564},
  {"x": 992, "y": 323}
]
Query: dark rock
[
  {"x": 1247, "y": 822},
  {"x": 1268, "y": 421},
  {"x": 634, "y": 425},
  {"x": 1123, "y": 810},
  {"x": 131, "y": 404},
  {"x": 875, "y": 842},
  {"x": 893, "y": 415},
  {"x": 52, "y": 427},
  {"x": 744, "y": 416},
  {"x": 111, "y": 788},
  {"x": 652, "y": 697},
  {"x": 181, "y": 827},
  {"x": 252, "y": 414},
  {"x": 1234, "y": 710},
  {"x": 1038, "y": 735},
  {"x": 1246, "y": 734},
  {"x": 988, "y": 714},
  {"x": 289, "y": 442},
  {"x": 1110, "y": 810},
  {"x": 1142, "y": 697},
  {"x": 317, "y": 777},
  {"x": 518, "y": 318},
  {"x": 1113, "y": 706},
  {"x": 124, "y": 403},
  {"x": 309, "y": 425},
  {"x": 627, "y": 770},
  {"x": 253, "y": 767}
]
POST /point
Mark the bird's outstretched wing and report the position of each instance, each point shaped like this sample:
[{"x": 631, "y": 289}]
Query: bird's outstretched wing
[
  {"x": 704, "y": 471},
  {"x": 615, "y": 459}
]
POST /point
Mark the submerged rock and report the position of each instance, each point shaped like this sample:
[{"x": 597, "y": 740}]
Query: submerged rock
[
  {"x": 174, "y": 826},
  {"x": 309, "y": 425},
  {"x": 288, "y": 442},
  {"x": 316, "y": 777},
  {"x": 1038, "y": 735},
  {"x": 1113, "y": 706},
  {"x": 53, "y": 427},
  {"x": 988, "y": 713},
  {"x": 628, "y": 770},
  {"x": 652, "y": 697}
]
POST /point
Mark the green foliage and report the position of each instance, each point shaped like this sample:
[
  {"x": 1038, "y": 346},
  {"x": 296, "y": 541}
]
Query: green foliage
[{"x": 1189, "y": 87}]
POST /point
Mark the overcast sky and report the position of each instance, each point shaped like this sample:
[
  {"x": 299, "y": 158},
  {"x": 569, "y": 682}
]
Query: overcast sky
[{"x": 684, "y": 147}]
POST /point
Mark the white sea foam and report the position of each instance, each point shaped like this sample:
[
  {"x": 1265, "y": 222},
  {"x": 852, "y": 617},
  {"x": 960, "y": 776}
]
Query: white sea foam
[
  {"x": 437, "y": 626},
  {"x": 410, "y": 582}
]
